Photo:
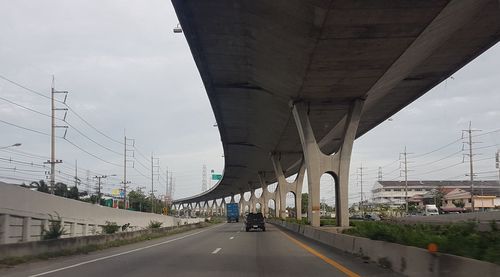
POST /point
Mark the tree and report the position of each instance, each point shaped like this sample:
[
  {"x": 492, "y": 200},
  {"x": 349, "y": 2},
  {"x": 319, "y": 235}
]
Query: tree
[
  {"x": 73, "y": 193},
  {"x": 459, "y": 203},
  {"x": 305, "y": 201},
  {"x": 41, "y": 186},
  {"x": 137, "y": 201},
  {"x": 60, "y": 189}
]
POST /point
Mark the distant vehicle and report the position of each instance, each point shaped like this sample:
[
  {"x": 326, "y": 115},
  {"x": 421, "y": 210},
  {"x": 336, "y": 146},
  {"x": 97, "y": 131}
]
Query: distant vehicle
[
  {"x": 372, "y": 217},
  {"x": 232, "y": 212},
  {"x": 255, "y": 221},
  {"x": 356, "y": 217},
  {"x": 431, "y": 210}
]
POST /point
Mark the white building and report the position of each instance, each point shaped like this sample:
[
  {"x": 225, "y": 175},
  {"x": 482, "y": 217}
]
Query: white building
[{"x": 393, "y": 192}]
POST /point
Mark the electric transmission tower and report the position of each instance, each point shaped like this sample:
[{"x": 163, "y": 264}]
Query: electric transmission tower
[
  {"x": 127, "y": 153},
  {"x": 471, "y": 160},
  {"x": 155, "y": 172}
]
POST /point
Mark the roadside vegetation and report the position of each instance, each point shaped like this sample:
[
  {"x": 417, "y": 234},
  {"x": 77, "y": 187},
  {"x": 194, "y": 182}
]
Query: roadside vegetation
[
  {"x": 110, "y": 227},
  {"x": 55, "y": 229},
  {"x": 303, "y": 221},
  {"x": 153, "y": 224},
  {"x": 12, "y": 261},
  {"x": 462, "y": 239}
]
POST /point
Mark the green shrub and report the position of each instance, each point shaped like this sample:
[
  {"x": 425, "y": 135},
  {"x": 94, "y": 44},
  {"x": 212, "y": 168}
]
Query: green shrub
[
  {"x": 125, "y": 226},
  {"x": 110, "y": 227},
  {"x": 56, "y": 229},
  {"x": 153, "y": 224},
  {"x": 462, "y": 239}
]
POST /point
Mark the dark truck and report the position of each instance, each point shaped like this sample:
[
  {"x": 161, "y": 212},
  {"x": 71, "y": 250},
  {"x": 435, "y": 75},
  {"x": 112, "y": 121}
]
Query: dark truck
[
  {"x": 255, "y": 221},
  {"x": 232, "y": 212}
]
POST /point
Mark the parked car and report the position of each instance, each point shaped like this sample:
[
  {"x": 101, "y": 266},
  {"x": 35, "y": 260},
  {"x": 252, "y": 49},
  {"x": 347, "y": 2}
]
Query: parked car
[
  {"x": 431, "y": 210},
  {"x": 372, "y": 217},
  {"x": 255, "y": 221}
]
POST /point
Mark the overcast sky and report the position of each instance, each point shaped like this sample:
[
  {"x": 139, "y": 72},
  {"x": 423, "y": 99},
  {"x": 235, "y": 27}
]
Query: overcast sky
[{"x": 124, "y": 68}]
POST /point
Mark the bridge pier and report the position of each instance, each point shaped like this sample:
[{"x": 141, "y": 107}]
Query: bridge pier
[
  {"x": 284, "y": 187},
  {"x": 318, "y": 163},
  {"x": 264, "y": 196}
]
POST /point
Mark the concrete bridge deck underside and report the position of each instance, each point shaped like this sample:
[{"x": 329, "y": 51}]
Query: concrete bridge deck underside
[{"x": 259, "y": 59}]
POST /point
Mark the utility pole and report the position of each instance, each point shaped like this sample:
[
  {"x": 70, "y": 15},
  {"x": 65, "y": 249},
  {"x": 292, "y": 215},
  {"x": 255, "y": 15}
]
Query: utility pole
[
  {"x": 405, "y": 162},
  {"x": 99, "y": 187},
  {"x": 497, "y": 164},
  {"x": 154, "y": 172},
  {"x": 361, "y": 206},
  {"x": 126, "y": 143},
  {"x": 76, "y": 174},
  {"x": 204, "y": 178},
  {"x": 380, "y": 176},
  {"x": 471, "y": 165},
  {"x": 87, "y": 185},
  {"x": 53, "y": 127}
]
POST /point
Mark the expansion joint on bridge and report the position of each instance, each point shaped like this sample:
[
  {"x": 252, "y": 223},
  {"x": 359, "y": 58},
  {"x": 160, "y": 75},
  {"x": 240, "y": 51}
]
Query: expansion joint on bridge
[{"x": 318, "y": 163}]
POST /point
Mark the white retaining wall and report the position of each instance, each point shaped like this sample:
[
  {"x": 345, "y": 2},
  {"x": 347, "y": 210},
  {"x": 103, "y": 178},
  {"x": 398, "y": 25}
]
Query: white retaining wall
[{"x": 24, "y": 212}]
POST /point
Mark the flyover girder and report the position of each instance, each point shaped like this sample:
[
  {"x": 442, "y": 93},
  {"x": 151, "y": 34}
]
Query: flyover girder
[{"x": 256, "y": 56}]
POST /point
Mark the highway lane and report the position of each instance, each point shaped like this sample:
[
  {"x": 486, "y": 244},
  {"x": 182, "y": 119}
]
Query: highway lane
[{"x": 221, "y": 250}]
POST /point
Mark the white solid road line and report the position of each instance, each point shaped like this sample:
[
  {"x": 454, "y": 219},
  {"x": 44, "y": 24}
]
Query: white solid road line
[
  {"x": 122, "y": 253},
  {"x": 216, "y": 250},
  {"x": 231, "y": 238}
]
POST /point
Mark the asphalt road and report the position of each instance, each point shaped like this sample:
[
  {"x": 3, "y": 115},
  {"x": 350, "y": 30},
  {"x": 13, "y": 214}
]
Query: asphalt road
[{"x": 220, "y": 250}]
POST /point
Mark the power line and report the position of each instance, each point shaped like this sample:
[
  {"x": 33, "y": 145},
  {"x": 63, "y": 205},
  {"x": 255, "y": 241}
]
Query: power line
[
  {"x": 87, "y": 152},
  {"x": 91, "y": 126},
  {"x": 61, "y": 102},
  {"x": 435, "y": 150},
  {"x": 447, "y": 157},
  {"x": 23, "y": 87},
  {"x": 25, "y": 128}
]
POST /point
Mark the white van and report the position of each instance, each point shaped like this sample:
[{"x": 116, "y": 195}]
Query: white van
[{"x": 431, "y": 210}]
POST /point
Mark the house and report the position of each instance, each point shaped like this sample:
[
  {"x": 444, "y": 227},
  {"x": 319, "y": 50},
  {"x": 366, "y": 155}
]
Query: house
[{"x": 394, "y": 193}]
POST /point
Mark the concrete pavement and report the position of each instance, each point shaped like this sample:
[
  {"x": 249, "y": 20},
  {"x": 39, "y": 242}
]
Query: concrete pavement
[{"x": 221, "y": 250}]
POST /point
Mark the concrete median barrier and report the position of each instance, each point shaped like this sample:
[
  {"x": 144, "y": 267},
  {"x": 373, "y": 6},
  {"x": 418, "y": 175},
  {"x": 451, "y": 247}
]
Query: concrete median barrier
[{"x": 408, "y": 260}]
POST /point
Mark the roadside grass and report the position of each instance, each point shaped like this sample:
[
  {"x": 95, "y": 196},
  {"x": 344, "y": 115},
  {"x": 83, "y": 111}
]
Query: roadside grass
[
  {"x": 12, "y": 261},
  {"x": 462, "y": 239},
  {"x": 303, "y": 221},
  {"x": 215, "y": 220}
]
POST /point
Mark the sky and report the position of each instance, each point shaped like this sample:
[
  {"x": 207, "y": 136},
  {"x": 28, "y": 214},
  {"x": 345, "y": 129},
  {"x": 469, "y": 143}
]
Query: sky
[{"x": 128, "y": 73}]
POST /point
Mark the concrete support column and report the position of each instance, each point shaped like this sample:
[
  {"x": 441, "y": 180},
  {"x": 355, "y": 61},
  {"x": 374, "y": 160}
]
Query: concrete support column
[
  {"x": 318, "y": 163},
  {"x": 253, "y": 201},
  {"x": 242, "y": 204},
  {"x": 85, "y": 228},
  {"x": 72, "y": 229},
  {"x": 45, "y": 225},
  {"x": 26, "y": 229},
  {"x": 4, "y": 228},
  {"x": 264, "y": 196},
  {"x": 284, "y": 186},
  {"x": 222, "y": 208}
]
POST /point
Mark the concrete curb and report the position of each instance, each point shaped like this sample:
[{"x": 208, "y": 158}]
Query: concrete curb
[
  {"x": 408, "y": 260},
  {"x": 34, "y": 248}
]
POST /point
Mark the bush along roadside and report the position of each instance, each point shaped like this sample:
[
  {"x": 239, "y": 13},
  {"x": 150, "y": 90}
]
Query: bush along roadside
[
  {"x": 55, "y": 230},
  {"x": 462, "y": 239},
  {"x": 153, "y": 234}
]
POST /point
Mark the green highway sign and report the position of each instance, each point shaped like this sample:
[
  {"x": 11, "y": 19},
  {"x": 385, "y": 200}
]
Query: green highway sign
[{"x": 216, "y": 176}]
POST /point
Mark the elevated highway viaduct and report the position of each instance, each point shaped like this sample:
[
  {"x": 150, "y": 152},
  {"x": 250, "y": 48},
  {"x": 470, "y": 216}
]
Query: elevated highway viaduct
[{"x": 293, "y": 83}]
